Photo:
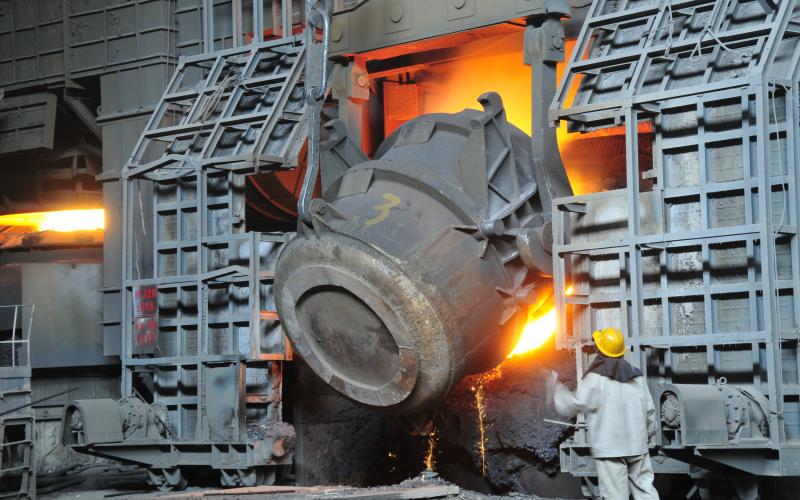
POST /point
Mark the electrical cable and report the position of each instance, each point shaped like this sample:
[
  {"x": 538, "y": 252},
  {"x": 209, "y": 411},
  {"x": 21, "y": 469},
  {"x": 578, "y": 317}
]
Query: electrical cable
[
  {"x": 669, "y": 26},
  {"x": 785, "y": 201},
  {"x": 697, "y": 53}
]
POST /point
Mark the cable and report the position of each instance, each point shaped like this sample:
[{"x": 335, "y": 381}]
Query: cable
[
  {"x": 784, "y": 203},
  {"x": 669, "y": 26},
  {"x": 697, "y": 53}
]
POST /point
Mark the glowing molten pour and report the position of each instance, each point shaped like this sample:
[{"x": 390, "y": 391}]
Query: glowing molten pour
[
  {"x": 60, "y": 220},
  {"x": 538, "y": 329},
  {"x": 536, "y": 332},
  {"x": 430, "y": 456}
]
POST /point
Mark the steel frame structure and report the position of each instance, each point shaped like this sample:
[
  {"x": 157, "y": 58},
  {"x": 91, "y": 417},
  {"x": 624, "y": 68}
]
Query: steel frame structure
[
  {"x": 16, "y": 414},
  {"x": 696, "y": 259},
  {"x": 208, "y": 349}
]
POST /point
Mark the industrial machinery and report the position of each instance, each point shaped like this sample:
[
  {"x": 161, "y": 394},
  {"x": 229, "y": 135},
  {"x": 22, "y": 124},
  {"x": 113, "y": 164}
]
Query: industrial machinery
[
  {"x": 416, "y": 267},
  {"x": 202, "y": 349},
  {"x": 419, "y": 247},
  {"x": 465, "y": 194},
  {"x": 413, "y": 272},
  {"x": 696, "y": 258}
]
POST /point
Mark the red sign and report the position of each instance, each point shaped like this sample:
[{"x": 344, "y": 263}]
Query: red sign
[
  {"x": 145, "y": 323},
  {"x": 145, "y": 299},
  {"x": 145, "y": 335}
]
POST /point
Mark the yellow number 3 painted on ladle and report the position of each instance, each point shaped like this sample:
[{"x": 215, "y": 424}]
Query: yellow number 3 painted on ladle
[{"x": 392, "y": 201}]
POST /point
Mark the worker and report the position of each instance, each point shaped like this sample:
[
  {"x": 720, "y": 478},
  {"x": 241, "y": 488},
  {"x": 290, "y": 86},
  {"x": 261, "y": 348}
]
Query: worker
[{"x": 620, "y": 418}]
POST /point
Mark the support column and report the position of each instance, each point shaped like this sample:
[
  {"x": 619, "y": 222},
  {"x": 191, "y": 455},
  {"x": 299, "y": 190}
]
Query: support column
[
  {"x": 544, "y": 48},
  {"x": 351, "y": 89}
]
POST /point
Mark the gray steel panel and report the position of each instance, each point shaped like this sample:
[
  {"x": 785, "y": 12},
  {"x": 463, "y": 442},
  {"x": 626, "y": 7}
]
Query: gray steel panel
[
  {"x": 27, "y": 122},
  {"x": 46, "y": 40},
  {"x": 212, "y": 325},
  {"x": 130, "y": 90},
  {"x": 67, "y": 328},
  {"x": 668, "y": 55},
  {"x": 707, "y": 282},
  {"x": 375, "y": 24}
]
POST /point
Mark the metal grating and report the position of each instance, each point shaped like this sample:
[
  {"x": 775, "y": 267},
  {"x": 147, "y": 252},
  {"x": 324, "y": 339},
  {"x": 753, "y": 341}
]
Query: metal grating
[
  {"x": 696, "y": 260},
  {"x": 16, "y": 414},
  {"x": 645, "y": 51},
  {"x": 211, "y": 319}
]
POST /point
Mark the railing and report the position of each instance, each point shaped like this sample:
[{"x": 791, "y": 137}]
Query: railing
[
  {"x": 15, "y": 328},
  {"x": 254, "y": 21},
  {"x": 16, "y": 414}
]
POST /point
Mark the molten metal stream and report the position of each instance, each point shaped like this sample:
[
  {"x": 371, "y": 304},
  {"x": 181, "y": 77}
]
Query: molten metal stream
[
  {"x": 538, "y": 329},
  {"x": 535, "y": 333},
  {"x": 430, "y": 458}
]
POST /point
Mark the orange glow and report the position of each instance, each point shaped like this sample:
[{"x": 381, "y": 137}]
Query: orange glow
[
  {"x": 61, "y": 220},
  {"x": 594, "y": 160},
  {"x": 491, "y": 64},
  {"x": 535, "y": 333},
  {"x": 537, "y": 330},
  {"x": 496, "y": 64}
]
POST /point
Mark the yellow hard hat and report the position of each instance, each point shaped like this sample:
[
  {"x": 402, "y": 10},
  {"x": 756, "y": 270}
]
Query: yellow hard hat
[{"x": 610, "y": 342}]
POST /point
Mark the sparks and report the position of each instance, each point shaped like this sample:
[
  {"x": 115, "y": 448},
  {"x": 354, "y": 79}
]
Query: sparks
[
  {"x": 480, "y": 406},
  {"x": 430, "y": 458},
  {"x": 60, "y": 220}
]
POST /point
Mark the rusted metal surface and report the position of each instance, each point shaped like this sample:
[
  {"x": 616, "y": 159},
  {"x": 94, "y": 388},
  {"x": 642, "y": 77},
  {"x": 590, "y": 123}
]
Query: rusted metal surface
[{"x": 409, "y": 275}]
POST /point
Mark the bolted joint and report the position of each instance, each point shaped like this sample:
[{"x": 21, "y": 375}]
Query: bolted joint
[
  {"x": 535, "y": 247},
  {"x": 544, "y": 43},
  {"x": 492, "y": 228}
]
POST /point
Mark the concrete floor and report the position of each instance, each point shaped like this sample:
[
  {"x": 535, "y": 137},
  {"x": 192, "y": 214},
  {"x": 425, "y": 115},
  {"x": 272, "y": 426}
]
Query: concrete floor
[{"x": 102, "y": 484}]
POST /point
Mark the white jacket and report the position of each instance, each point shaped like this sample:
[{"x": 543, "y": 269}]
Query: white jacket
[{"x": 620, "y": 416}]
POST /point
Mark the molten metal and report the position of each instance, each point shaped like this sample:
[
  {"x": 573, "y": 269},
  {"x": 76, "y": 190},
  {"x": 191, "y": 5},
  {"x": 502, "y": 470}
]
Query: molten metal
[
  {"x": 535, "y": 333},
  {"x": 430, "y": 457},
  {"x": 60, "y": 220},
  {"x": 537, "y": 330}
]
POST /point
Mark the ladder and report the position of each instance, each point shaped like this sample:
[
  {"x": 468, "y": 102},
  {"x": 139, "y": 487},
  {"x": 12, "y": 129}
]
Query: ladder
[{"x": 16, "y": 419}]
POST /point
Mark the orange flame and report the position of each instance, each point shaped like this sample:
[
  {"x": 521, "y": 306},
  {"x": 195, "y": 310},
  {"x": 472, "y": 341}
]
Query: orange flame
[
  {"x": 59, "y": 220},
  {"x": 492, "y": 64},
  {"x": 537, "y": 330},
  {"x": 496, "y": 64}
]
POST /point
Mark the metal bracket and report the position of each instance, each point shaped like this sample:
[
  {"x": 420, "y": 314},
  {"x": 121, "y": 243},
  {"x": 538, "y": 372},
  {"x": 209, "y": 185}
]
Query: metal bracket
[{"x": 318, "y": 14}]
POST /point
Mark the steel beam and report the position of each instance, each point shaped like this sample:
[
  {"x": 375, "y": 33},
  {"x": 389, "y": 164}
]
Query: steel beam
[{"x": 376, "y": 24}]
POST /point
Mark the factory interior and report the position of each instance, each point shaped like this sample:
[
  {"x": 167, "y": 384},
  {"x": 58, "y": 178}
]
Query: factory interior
[{"x": 369, "y": 248}]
